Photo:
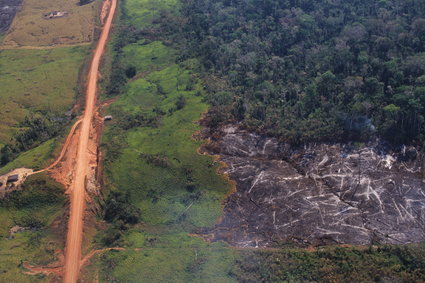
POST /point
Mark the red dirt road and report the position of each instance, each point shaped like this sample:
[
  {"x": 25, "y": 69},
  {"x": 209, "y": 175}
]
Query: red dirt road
[
  {"x": 75, "y": 224},
  {"x": 64, "y": 148}
]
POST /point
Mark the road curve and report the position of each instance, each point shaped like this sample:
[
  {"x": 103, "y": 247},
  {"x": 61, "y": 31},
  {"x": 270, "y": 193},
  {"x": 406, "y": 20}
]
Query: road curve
[
  {"x": 63, "y": 151},
  {"x": 75, "y": 223}
]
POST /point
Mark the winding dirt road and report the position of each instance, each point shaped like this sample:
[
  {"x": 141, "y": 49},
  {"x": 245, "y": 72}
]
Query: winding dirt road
[{"x": 75, "y": 224}]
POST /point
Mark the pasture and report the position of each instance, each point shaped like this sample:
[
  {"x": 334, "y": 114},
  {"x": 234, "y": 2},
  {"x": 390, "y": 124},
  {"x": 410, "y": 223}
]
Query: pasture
[
  {"x": 37, "y": 81},
  {"x": 31, "y": 28}
]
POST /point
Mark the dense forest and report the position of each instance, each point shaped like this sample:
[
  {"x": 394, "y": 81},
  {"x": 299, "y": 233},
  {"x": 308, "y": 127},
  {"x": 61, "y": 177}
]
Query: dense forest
[{"x": 313, "y": 70}]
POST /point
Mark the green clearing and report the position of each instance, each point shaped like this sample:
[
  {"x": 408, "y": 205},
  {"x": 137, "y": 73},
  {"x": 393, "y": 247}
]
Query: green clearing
[
  {"x": 151, "y": 155},
  {"x": 164, "y": 192},
  {"x": 175, "y": 188},
  {"x": 36, "y": 81},
  {"x": 169, "y": 258},
  {"x": 142, "y": 13},
  {"x": 37, "y": 206},
  {"x": 147, "y": 56}
]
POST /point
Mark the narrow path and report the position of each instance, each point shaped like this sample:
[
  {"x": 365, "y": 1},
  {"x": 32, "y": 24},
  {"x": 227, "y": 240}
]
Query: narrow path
[{"x": 75, "y": 223}]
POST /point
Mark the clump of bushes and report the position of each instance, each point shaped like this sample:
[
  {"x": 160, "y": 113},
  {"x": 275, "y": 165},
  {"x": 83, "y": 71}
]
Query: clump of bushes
[
  {"x": 120, "y": 213},
  {"x": 38, "y": 191}
]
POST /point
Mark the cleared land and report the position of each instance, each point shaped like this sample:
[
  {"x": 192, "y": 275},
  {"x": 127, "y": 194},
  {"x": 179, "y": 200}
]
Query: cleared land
[
  {"x": 176, "y": 189},
  {"x": 37, "y": 80},
  {"x": 31, "y": 28}
]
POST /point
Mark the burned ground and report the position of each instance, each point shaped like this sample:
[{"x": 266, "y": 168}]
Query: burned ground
[
  {"x": 319, "y": 194},
  {"x": 8, "y": 9}
]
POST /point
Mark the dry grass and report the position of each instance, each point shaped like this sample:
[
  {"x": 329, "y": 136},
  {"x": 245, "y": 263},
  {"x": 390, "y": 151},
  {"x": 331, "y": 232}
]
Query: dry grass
[{"x": 30, "y": 28}]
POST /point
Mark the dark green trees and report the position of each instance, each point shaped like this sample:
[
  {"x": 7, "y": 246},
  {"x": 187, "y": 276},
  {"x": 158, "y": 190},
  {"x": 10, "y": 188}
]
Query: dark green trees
[{"x": 302, "y": 69}]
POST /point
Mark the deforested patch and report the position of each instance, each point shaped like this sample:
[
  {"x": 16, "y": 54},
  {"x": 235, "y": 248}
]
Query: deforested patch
[
  {"x": 319, "y": 193},
  {"x": 8, "y": 9}
]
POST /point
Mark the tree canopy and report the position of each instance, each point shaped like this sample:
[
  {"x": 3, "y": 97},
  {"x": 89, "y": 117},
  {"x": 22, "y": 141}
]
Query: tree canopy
[{"x": 314, "y": 70}]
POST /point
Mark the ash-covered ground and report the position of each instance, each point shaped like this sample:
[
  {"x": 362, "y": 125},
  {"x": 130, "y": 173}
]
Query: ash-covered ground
[
  {"x": 8, "y": 9},
  {"x": 319, "y": 194}
]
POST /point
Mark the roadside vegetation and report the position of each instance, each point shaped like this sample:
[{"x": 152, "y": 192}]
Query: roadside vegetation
[
  {"x": 38, "y": 209},
  {"x": 159, "y": 191},
  {"x": 333, "y": 264}
]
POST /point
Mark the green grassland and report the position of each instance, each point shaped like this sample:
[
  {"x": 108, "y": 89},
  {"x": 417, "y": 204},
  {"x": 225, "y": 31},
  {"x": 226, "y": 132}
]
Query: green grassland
[
  {"x": 29, "y": 28},
  {"x": 182, "y": 193},
  {"x": 37, "y": 81},
  {"x": 37, "y": 206},
  {"x": 172, "y": 140}
]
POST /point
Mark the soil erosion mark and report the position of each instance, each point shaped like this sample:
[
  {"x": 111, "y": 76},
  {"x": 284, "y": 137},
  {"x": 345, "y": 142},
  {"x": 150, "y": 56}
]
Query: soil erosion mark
[{"x": 75, "y": 224}]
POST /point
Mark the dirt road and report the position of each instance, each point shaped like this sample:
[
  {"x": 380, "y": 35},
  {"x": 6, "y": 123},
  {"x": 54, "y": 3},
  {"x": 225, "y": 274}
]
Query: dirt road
[
  {"x": 64, "y": 148},
  {"x": 75, "y": 224}
]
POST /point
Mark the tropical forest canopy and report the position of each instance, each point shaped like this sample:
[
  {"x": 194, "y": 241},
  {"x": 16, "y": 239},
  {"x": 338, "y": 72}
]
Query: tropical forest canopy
[{"x": 314, "y": 70}]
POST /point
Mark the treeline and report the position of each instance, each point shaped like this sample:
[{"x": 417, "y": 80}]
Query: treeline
[
  {"x": 313, "y": 70},
  {"x": 36, "y": 129},
  {"x": 381, "y": 264}
]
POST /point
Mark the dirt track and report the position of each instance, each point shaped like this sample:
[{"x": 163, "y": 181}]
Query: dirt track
[
  {"x": 64, "y": 148},
  {"x": 75, "y": 224}
]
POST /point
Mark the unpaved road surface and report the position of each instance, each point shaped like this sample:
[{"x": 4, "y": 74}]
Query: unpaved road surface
[
  {"x": 64, "y": 148},
  {"x": 75, "y": 224}
]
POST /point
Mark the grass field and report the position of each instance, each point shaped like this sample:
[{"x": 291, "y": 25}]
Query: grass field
[
  {"x": 182, "y": 194},
  {"x": 29, "y": 28},
  {"x": 38, "y": 206},
  {"x": 37, "y": 81},
  {"x": 185, "y": 170}
]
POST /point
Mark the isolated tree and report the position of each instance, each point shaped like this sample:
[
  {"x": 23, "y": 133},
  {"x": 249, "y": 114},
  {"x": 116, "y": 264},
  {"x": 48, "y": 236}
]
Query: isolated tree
[{"x": 84, "y": 2}]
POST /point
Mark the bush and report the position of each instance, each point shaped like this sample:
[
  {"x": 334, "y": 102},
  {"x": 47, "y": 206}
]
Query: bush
[{"x": 118, "y": 207}]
